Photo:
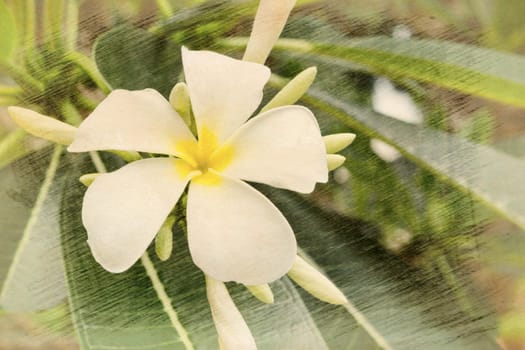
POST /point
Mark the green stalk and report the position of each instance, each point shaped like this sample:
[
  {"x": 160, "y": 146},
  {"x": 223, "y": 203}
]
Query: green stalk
[
  {"x": 70, "y": 113},
  {"x": 30, "y": 22},
  {"x": 71, "y": 25},
  {"x": 24, "y": 15},
  {"x": 10, "y": 91},
  {"x": 52, "y": 23},
  {"x": 91, "y": 69},
  {"x": 450, "y": 277},
  {"x": 12, "y": 147},
  {"x": 85, "y": 102},
  {"x": 8, "y": 100},
  {"x": 165, "y": 8},
  {"x": 23, "y": 79}
]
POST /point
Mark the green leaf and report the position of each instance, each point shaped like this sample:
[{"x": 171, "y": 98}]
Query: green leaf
[
  {"x": 32, "y": 275},
  {"x": 132, "y": 58},
  {"x": 163, "y": 305},
  {"x": 8, "y": 34},
  {"x": 473, "y": 70},
  {"x": 385, "y": 293},
  {"x": 473, "y": 169}
]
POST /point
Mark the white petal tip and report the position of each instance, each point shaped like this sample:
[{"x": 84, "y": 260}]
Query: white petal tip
[{"x": 109, "y": 266}]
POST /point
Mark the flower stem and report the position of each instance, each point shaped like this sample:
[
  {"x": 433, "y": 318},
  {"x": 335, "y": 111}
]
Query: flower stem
[
  {"x": 281, "y": 44},
  {"x": 84, "y": 102},
  {"x": 52, "y": 22},
  {"x": 10, "y": 91},
  {"x": 97, "y": 162},
  {"x": 70, "y": 113},
  {"x": 451, "y": 279},
  {"x": 71, "y": 25},
  {"x": 24, "y": 15},
  {"x": 90, "y": 68},
  {"x": 13, "y": 146},
  {"x": 165, "y": 8},
  {"x": 8, "y": 100},
  {"x": 23, "y": 79}
]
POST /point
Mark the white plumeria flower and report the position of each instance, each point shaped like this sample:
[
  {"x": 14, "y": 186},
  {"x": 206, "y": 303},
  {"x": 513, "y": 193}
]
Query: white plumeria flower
[{"x": 234, "y": 232}]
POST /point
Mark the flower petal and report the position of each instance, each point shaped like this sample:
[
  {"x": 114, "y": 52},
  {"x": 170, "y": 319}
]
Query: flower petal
[
  {"x": 224, "y": 91},
  {"x": 132, "y": 121},
  {"x": 237, "y": 234},
  {"x": 124, "y": 210},
  {"x": 282, "y": 148},
  {"x": 231, "y": 327}
]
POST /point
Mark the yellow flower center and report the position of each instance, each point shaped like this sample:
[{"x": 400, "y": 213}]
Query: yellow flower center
[{"x": 204, "y": 155}]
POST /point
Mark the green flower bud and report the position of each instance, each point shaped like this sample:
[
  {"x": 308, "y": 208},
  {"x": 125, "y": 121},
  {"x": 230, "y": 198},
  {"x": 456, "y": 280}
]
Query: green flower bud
[
  {"x": 337, "y": 142},
  {"x": 294, "y": 90},
  {"x": 315, "y": 282},
  {"x": 262, "y": 292},
  {"x": 334, "y": 161},
  {"x": 42, "y": 126},
  {"x": 164, "y": 239},
  {"x": 88, "y": 179},
  {"x": 180, "y": 101}
]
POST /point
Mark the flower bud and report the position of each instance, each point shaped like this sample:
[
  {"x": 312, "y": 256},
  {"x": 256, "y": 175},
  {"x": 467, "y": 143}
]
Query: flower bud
[
  {"x": 42, "y": 126},
  {"x": 87, "y": 179},
  {"x": 294, "y": 90},
  {"x": 262, "y": 292},
  {"x": 334, "y": 161},
  {"x": 315, "y": 282},
  {"x": 128, "y": 156},
  {"x": 337, "y": 142},
  {"x": 180, "y": 101},
  {"x": 164, "y": 239},
  {"x": 269, "y": 22},
  {"x": 232, "y": 329}
]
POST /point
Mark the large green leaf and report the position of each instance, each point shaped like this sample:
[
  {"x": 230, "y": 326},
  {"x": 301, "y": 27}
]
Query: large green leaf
[
  {"x": 162, "y": 305},
  {"x": 469, "y": 69},
  {"x": 384, "y": 293},
  {"x": 132, "y": 58},
  {"x": 474, "y": 169},
  {"x": 32, "y": 273}
]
